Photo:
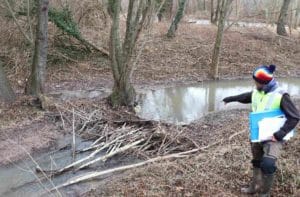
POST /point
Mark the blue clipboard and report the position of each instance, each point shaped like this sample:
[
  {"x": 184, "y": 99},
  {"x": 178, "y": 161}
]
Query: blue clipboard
[{"x": 255, "y": 117}]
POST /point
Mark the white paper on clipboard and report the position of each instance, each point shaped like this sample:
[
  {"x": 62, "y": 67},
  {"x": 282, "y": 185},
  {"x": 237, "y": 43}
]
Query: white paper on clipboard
[{"x": 268, "y": 126}]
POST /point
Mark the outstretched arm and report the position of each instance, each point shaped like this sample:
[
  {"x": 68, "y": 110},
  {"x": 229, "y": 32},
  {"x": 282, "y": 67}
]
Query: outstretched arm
[{"x": 242, "y": 98}]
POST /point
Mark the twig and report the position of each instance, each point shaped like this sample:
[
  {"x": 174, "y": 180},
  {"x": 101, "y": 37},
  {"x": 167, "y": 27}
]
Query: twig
[
  {"x": 73, "y": 131},
  {"x": 87, "y": 121},
  {"x": 122, "y": 168},
  {"x": 146, "y": 143},
  {"x": 62, "y": 119},
  {"x": 88, "y": 176},
  {"x": 162, "y": 143},
  {"x": 112, "y": 153},
  {"x": 90, "y": 148},
  {"x": 38, "y": 166},
  {"x": 174, "y": 138},
  {"x": 66, "y": 57},
  {"x": 237, "y": 133},
  {"x": 76, "y": 113},
  {"x": 28, "y": 19},
  {"x": 17, "y": 23},
  {"x": 91, "y": 155},
  {"x": 100, "y": 138},
  {"x": 89, "y": 44},
  {"x": 52, "y": 161}
]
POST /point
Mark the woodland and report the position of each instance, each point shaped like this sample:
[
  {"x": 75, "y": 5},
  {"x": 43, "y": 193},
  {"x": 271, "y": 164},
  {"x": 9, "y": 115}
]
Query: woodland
[{"x": 74, "y": 73}]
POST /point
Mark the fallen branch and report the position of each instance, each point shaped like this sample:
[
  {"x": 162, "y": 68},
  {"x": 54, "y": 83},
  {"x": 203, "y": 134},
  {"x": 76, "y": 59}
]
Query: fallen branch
[
  {"x": 112, "y": 153},
  {"x": 66, "y": 57},
  {"x": 89, "y": 156},
  {"x": 90, "y": 148},
  {"x": 87, "y": 121},
  {"x": 237, "y": 133},
  {"x": 88, "y": 176},
  {"x": 92, "y": 175},
  {"x": 88, "y": 44}
]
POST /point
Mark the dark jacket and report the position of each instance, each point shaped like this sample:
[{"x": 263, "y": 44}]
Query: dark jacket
[{"x": 286, "y": 105}]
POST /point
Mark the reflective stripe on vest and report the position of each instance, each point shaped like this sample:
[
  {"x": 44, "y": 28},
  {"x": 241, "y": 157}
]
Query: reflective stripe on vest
[{"x": 264, "y": 102}]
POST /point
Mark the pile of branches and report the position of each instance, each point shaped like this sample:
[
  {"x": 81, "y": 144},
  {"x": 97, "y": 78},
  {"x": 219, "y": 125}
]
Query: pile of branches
[{"x": 149, "y": 141}]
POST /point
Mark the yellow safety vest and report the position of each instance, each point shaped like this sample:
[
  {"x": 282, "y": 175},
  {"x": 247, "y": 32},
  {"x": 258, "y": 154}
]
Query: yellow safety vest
[{"x": 264, "y": 102}]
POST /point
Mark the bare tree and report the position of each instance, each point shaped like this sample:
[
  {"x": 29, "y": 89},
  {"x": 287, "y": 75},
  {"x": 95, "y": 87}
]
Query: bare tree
[
  {"x": 36, "y": 82},
  {"x": 6, "y": 92},
  {"x": 282, "y": 18},
  {"x": 297, "y": 15},
  {"x": 9, "y": 9},
  {"x": 165, "y": 10},
  {"x": 121, "y": 53},
  {"x": 214, "y": 13},
  {"x": 176, "y": 19},
  {"x": 224, "y": 5}
]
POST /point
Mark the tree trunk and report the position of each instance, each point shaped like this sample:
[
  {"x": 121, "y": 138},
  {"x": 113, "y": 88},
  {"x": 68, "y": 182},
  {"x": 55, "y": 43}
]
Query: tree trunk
[
  {"x": 212, "y": 11},
  {"x": 215, "y": 17},
  {"x": 282, "y": 18},
  {"x": 6, "y": 92},
  {"x": 121, "y": 53},
  {"x": 36, "y": 82},
  {"x": 169, "y": 8},
  {"x": 297, "y": 14},
  {"x": 216, "y": 52},
  {"x": 165, "y": 10},
  {"x": 237, "y": 9},
  {"x": 176, "y": 19}
]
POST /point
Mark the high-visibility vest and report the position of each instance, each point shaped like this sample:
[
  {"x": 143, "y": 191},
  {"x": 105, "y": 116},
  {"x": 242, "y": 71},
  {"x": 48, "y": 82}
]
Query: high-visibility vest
[{"x": 264, "y": 102}]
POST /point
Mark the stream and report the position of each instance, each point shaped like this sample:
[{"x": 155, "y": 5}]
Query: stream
[
  {"x": 182, "y": 105},
  {"x": 20, "y": 179}
]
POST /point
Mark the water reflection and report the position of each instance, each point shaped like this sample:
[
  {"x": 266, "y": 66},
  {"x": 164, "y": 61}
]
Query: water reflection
[
  {"x": 185, "y": 104},
  {"x": 236, "y": 23}
]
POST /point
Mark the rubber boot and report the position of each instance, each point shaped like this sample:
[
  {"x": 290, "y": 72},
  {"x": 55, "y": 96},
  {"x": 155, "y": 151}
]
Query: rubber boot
[
  {"x": 255, "y": 182},
  {"x": 267, "y": 182}
]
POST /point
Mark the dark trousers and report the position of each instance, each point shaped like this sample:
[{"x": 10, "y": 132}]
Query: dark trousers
[{"x": 265, "y": 155}]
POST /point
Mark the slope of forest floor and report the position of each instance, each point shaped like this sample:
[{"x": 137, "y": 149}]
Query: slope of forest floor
[{"x": 218, "y": 171}]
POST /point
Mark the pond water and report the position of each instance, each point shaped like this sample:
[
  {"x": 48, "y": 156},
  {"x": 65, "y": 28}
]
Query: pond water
[
  {"x": 236, "y": 23},
  {"x": 21, "y": 179},
  {"x": 182, "y": 105}
]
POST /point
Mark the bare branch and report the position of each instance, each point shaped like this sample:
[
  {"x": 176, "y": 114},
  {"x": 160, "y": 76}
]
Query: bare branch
[
  {"x": 17, "y": 23},
  {"x": 112, "y": 153}
]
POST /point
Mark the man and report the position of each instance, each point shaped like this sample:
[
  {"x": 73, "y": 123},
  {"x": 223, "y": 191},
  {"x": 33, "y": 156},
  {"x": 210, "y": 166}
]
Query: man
[{"x": 267, "y": 96}]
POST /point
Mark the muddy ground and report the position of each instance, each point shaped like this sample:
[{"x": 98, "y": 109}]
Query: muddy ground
[{"x": 218, "y": 171}]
